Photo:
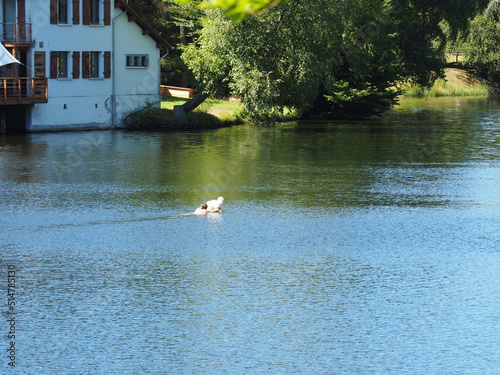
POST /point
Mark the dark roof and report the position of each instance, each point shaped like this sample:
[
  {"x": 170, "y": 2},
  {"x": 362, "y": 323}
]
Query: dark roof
[{"x": 133, "y": 16}]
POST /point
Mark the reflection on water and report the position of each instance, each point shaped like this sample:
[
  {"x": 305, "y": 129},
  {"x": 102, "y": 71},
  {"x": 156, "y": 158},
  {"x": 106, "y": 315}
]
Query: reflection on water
[{"x": 345, "y": 248}]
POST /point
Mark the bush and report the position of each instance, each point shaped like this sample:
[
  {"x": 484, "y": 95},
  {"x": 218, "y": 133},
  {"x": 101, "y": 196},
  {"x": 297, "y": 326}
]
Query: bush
[{"x": 162, "y": 119}]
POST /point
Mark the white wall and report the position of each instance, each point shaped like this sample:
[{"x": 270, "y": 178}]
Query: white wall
[
  {"x": 134, "y": 87},
  {"x": 87, "y": 103}
]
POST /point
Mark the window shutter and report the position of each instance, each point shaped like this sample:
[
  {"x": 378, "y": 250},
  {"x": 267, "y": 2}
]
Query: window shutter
[
  {"x": 85, "y": 64},
  {"x": 21, "y": 13},
  {"x": 53, "y": 12},
  {"x": 76, "y": 12},
  {"x": 107, "y": 12},
  {"x": 76, "y": 65},
  {"x": 86, "y": 12},
  {"x": 40, "y": 64},
  {"x": 107, "y": 64},
  {"x": 53, "y": 64}
]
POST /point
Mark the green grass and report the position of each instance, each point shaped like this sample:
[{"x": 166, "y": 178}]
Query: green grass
[
  {"x": 218, "y": 108},
  {"x": 458, "y": 82},
  {"x": 211, "y": 114},
  {"x": 168, "y": 102}
]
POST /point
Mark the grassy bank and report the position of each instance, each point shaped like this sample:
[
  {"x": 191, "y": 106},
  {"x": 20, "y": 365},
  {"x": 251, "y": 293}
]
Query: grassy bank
[
  {"x": 211, "y": 114},
  {"x": 221, "y": 113},
  {"x": 218, "y": 108},
  {"x": 457, "y": 82}
]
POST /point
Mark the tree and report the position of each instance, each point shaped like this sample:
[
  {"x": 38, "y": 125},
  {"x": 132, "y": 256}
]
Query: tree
[
  {"x": 281, "y": 59},
  {"x": 155, "y": 12},
  {"x": 326, "y": 57},
  {"x": 482, "y": 46},
  {"x": 179, "y": 24}
]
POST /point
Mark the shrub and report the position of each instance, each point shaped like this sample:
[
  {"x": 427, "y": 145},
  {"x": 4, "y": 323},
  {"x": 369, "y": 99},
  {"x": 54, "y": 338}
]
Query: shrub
[{"x": 162, "y": 119}]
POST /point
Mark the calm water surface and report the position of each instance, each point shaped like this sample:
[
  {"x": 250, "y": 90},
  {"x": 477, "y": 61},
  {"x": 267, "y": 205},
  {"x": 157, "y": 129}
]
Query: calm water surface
[{"x": 343, "y": 248}]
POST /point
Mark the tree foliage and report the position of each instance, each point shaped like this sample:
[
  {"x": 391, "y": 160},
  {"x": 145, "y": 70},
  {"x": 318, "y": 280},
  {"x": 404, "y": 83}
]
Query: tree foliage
[
  {"x": 175, "y": 21},
  {"x": 482, "y": 46},
  {"x": 179, "y": 23},
  {"x": 239, "y": 9},
  {"x": 326, "y": 57}
]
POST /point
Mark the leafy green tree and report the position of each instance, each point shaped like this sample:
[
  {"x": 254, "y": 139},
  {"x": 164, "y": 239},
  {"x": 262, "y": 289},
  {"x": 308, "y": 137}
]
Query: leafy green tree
[
  {"x": 326, "y": 57},
  {"x": 280, "y": 60},
  {"x": 482, "y": 47}
]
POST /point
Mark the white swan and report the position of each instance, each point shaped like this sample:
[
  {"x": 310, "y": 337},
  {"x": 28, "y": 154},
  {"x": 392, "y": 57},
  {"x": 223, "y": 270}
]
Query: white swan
[{"x": 215, "y": 205}]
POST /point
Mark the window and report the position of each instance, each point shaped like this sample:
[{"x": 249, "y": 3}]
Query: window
[
  {"x": 62, "y": 11},
  {"x": 94, "y": 64},
  {"x": 59, "y": 61},
  {"x": 93, "y": 61},
  {"x": 95, "y": 11},
  {"x": 39, "y": 64},
  {"x": 62, "y": 64},
  {"x": 137, "y": 61},
  {"x": 65, "y": 12}
]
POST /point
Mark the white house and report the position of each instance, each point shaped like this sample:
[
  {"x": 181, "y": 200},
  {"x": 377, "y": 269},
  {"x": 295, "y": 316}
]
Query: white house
[{"x": 85, "y": 64}]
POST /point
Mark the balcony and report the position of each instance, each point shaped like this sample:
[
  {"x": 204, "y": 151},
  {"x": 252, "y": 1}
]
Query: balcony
[
  {"x": 26, "y": 90},
  {"x": 16, "y": 34}
]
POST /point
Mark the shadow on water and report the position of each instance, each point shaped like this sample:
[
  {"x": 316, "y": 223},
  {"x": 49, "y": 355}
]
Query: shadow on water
[{"x": 345, "y": 160}]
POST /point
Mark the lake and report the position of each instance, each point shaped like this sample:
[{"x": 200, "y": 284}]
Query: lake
[{"x": 350, "y": 247}]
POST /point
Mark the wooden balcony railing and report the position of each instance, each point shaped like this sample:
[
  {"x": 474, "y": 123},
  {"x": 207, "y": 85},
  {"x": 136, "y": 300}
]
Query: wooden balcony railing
[
  {"x": 25, "y": 90},
  {"x": 15, "y": 34}
]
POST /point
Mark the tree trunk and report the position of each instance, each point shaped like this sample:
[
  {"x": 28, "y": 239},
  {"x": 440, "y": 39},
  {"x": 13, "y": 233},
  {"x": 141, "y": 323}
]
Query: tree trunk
[
  {"x": 195, "y": 101},
  {"x": 198, "y": 99}
]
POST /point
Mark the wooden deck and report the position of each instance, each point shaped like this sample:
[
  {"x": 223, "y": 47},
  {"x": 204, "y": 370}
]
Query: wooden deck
[{"x": 25, "y": 90}]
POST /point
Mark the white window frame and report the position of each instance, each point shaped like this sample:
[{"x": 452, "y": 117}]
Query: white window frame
[{"x": 133, "y": 61}]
